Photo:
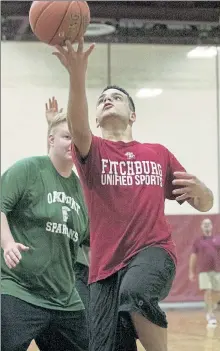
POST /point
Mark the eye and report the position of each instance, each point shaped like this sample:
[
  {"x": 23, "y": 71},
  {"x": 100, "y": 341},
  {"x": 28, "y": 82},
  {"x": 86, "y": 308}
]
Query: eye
[
  {"x": 118, "y": 97},
  {"x": 67, "y": 137},
  {"x": 100, "y": 101}
]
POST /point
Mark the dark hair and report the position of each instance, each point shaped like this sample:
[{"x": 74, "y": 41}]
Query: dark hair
[{"x": 131, "y": 102}]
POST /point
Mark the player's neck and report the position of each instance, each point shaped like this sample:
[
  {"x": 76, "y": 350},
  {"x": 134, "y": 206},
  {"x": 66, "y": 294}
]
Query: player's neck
[
  {"x": 117, "y": 135},
  {"x": 208, "y": 234},
  {"x": 64, "y": 168}
]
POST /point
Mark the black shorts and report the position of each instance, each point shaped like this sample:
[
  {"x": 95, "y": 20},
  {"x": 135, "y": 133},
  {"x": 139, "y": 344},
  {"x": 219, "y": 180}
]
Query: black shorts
[
  {"x": 82, "y": 276},
  {"x": 22, "y": 322},
  {"x": 49, "y": 337},
  {"x": 138, "y": 287}
]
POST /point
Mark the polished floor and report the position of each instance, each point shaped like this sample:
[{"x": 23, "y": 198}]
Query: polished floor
[{"x": 187, "y": 332}]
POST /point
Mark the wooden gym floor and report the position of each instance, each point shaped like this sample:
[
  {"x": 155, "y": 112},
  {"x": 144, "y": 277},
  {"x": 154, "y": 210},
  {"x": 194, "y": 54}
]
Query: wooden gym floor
[{"x": 187, "y": 332}]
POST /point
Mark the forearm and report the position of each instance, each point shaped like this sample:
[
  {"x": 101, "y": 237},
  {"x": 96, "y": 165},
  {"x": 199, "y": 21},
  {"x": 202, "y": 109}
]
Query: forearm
[
  {"x": 204, "y": 202},
  {"x": 6, "y": 236},
  {"x": 192, "y": 263},
  {"x": 77, "y": 111}
]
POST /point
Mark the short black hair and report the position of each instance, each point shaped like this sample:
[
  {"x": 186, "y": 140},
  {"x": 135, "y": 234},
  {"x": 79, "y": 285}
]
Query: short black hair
[{"x": 131, "y": 102}]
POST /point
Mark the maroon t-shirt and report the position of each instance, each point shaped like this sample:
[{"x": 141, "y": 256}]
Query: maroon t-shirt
[
  {"x": 125, "y": 186},
  {"x": 207, "y": 249}
]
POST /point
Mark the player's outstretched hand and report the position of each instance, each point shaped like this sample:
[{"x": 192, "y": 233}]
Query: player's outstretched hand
[
  {"x": 12, "y": 254},
  {"x": 75, "y": 61},
  {"x": 52, "y": 109}
]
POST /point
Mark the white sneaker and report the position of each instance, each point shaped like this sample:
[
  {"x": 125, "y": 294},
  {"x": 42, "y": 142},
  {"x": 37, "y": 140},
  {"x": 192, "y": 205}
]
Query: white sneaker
[{"x": 211, "y": 320}]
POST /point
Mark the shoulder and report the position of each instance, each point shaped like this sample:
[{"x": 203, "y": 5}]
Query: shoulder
[
  {"x": 33, "y": 160},
  {"x": 157, "y": 148},
  {"x": 36, "y": 163},
  {"x": 30, "y": 165},
  {"x": 198, "y": 241}
]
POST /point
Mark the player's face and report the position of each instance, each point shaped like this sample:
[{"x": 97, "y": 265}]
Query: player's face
[
  {"x": 60, "y": 142},
  {"x": 206, "y": 226},
  {"x": 113, "y": 105}
]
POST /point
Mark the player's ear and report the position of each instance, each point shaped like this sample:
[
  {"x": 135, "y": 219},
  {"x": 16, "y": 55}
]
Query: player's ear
[
  {"x": 50, "y": 140},
  {"x": 133, "y": 117}
]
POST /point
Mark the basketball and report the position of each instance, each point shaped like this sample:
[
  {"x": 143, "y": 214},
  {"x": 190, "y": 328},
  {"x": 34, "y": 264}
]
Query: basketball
[{"x": 54, "y": 22}]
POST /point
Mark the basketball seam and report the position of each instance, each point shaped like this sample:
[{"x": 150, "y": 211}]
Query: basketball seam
[
  {"x": 60, "y": 22},
  {"x": 42, "y": 13},
  {"x": 82, "y": 19},
  {"x": 80, "y": 22}
]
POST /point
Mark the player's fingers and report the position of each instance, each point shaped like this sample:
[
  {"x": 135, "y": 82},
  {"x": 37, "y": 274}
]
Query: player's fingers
[
  {"x": 181, "y": 191},
  {"x": 22, "y": 247},
  {"x": 61, "y": 50},
  {"x": 17, "y": 254},
  {"x": 184, "y": 175},
  {"x": 182, "y": 197},
  {"x": 90, "y": 50},
  {"x": 46, "y": 107},
  {"x": 50, "y": 104},
  {"x": 9, "y": 261},
  {"x": 184, "y": 182},
  {"x": 56, "y": 105},
  {"x": 13, "y": 257},
  {"x": 70, "y": 48},
  {"x": 80, "y": 45}
]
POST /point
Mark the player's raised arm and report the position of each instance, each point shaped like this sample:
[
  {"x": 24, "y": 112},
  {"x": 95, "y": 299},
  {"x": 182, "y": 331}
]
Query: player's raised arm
[{"x": 75, "y": 61}]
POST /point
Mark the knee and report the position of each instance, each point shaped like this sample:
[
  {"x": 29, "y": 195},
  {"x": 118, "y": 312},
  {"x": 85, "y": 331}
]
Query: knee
[{"x": 132, "y": 294}]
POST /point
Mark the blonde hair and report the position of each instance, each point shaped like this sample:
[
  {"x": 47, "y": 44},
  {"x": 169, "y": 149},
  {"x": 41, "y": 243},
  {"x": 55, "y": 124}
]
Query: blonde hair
[{"x": 56, "y": 121}]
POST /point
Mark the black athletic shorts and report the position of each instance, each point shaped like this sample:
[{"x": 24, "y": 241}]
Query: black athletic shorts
[
  {"x": 138, "y": 287},
  {"x": 49, "y": 338},
  {"x": 82, "y": 277},
  {"x": 22, "y": 322}
]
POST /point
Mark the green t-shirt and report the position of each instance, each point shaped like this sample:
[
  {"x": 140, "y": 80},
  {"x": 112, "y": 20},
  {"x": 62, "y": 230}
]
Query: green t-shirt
[{"x": 46, "y": 212}]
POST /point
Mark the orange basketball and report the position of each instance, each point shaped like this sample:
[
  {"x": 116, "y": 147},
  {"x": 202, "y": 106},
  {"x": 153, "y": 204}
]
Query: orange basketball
[{"x": 54, "y": 22}]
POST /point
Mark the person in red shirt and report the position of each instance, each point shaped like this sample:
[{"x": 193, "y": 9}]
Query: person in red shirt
[
  {"x": 205, "y": 258},
  {"x": 125, "y": 184}
]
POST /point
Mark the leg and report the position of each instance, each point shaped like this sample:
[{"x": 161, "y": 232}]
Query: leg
[
  {"x": 207, "y": 283},
  {"x": 216, "y": 287},
  {"x": 107, "y": 332},
  {"x": 208, "y": 299},
  {"x": 67, "y": 332},
  {"x": 147, "y": 281},
  {"x": 148, "y": 333},
  {"x": 82, "y": 274},
  {"x": 21, "y": 323}
]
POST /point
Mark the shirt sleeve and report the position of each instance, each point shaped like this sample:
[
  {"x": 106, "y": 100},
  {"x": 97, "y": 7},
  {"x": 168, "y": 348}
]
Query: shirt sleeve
[
  {"x": 86, "y": 237},
  {"x": 84, "y": 165},
  {"x": 173, "y": 165},
  {"x": 14, "y": 184},
  {"x": 195, "y": 247}
]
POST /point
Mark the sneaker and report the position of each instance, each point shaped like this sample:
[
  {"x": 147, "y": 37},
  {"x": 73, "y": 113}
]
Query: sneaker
[{"x": 211, "y": 320}]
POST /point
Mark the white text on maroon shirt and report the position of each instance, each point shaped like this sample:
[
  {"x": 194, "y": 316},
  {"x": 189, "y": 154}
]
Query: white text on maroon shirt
[{"x": 131, "y": 172}]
